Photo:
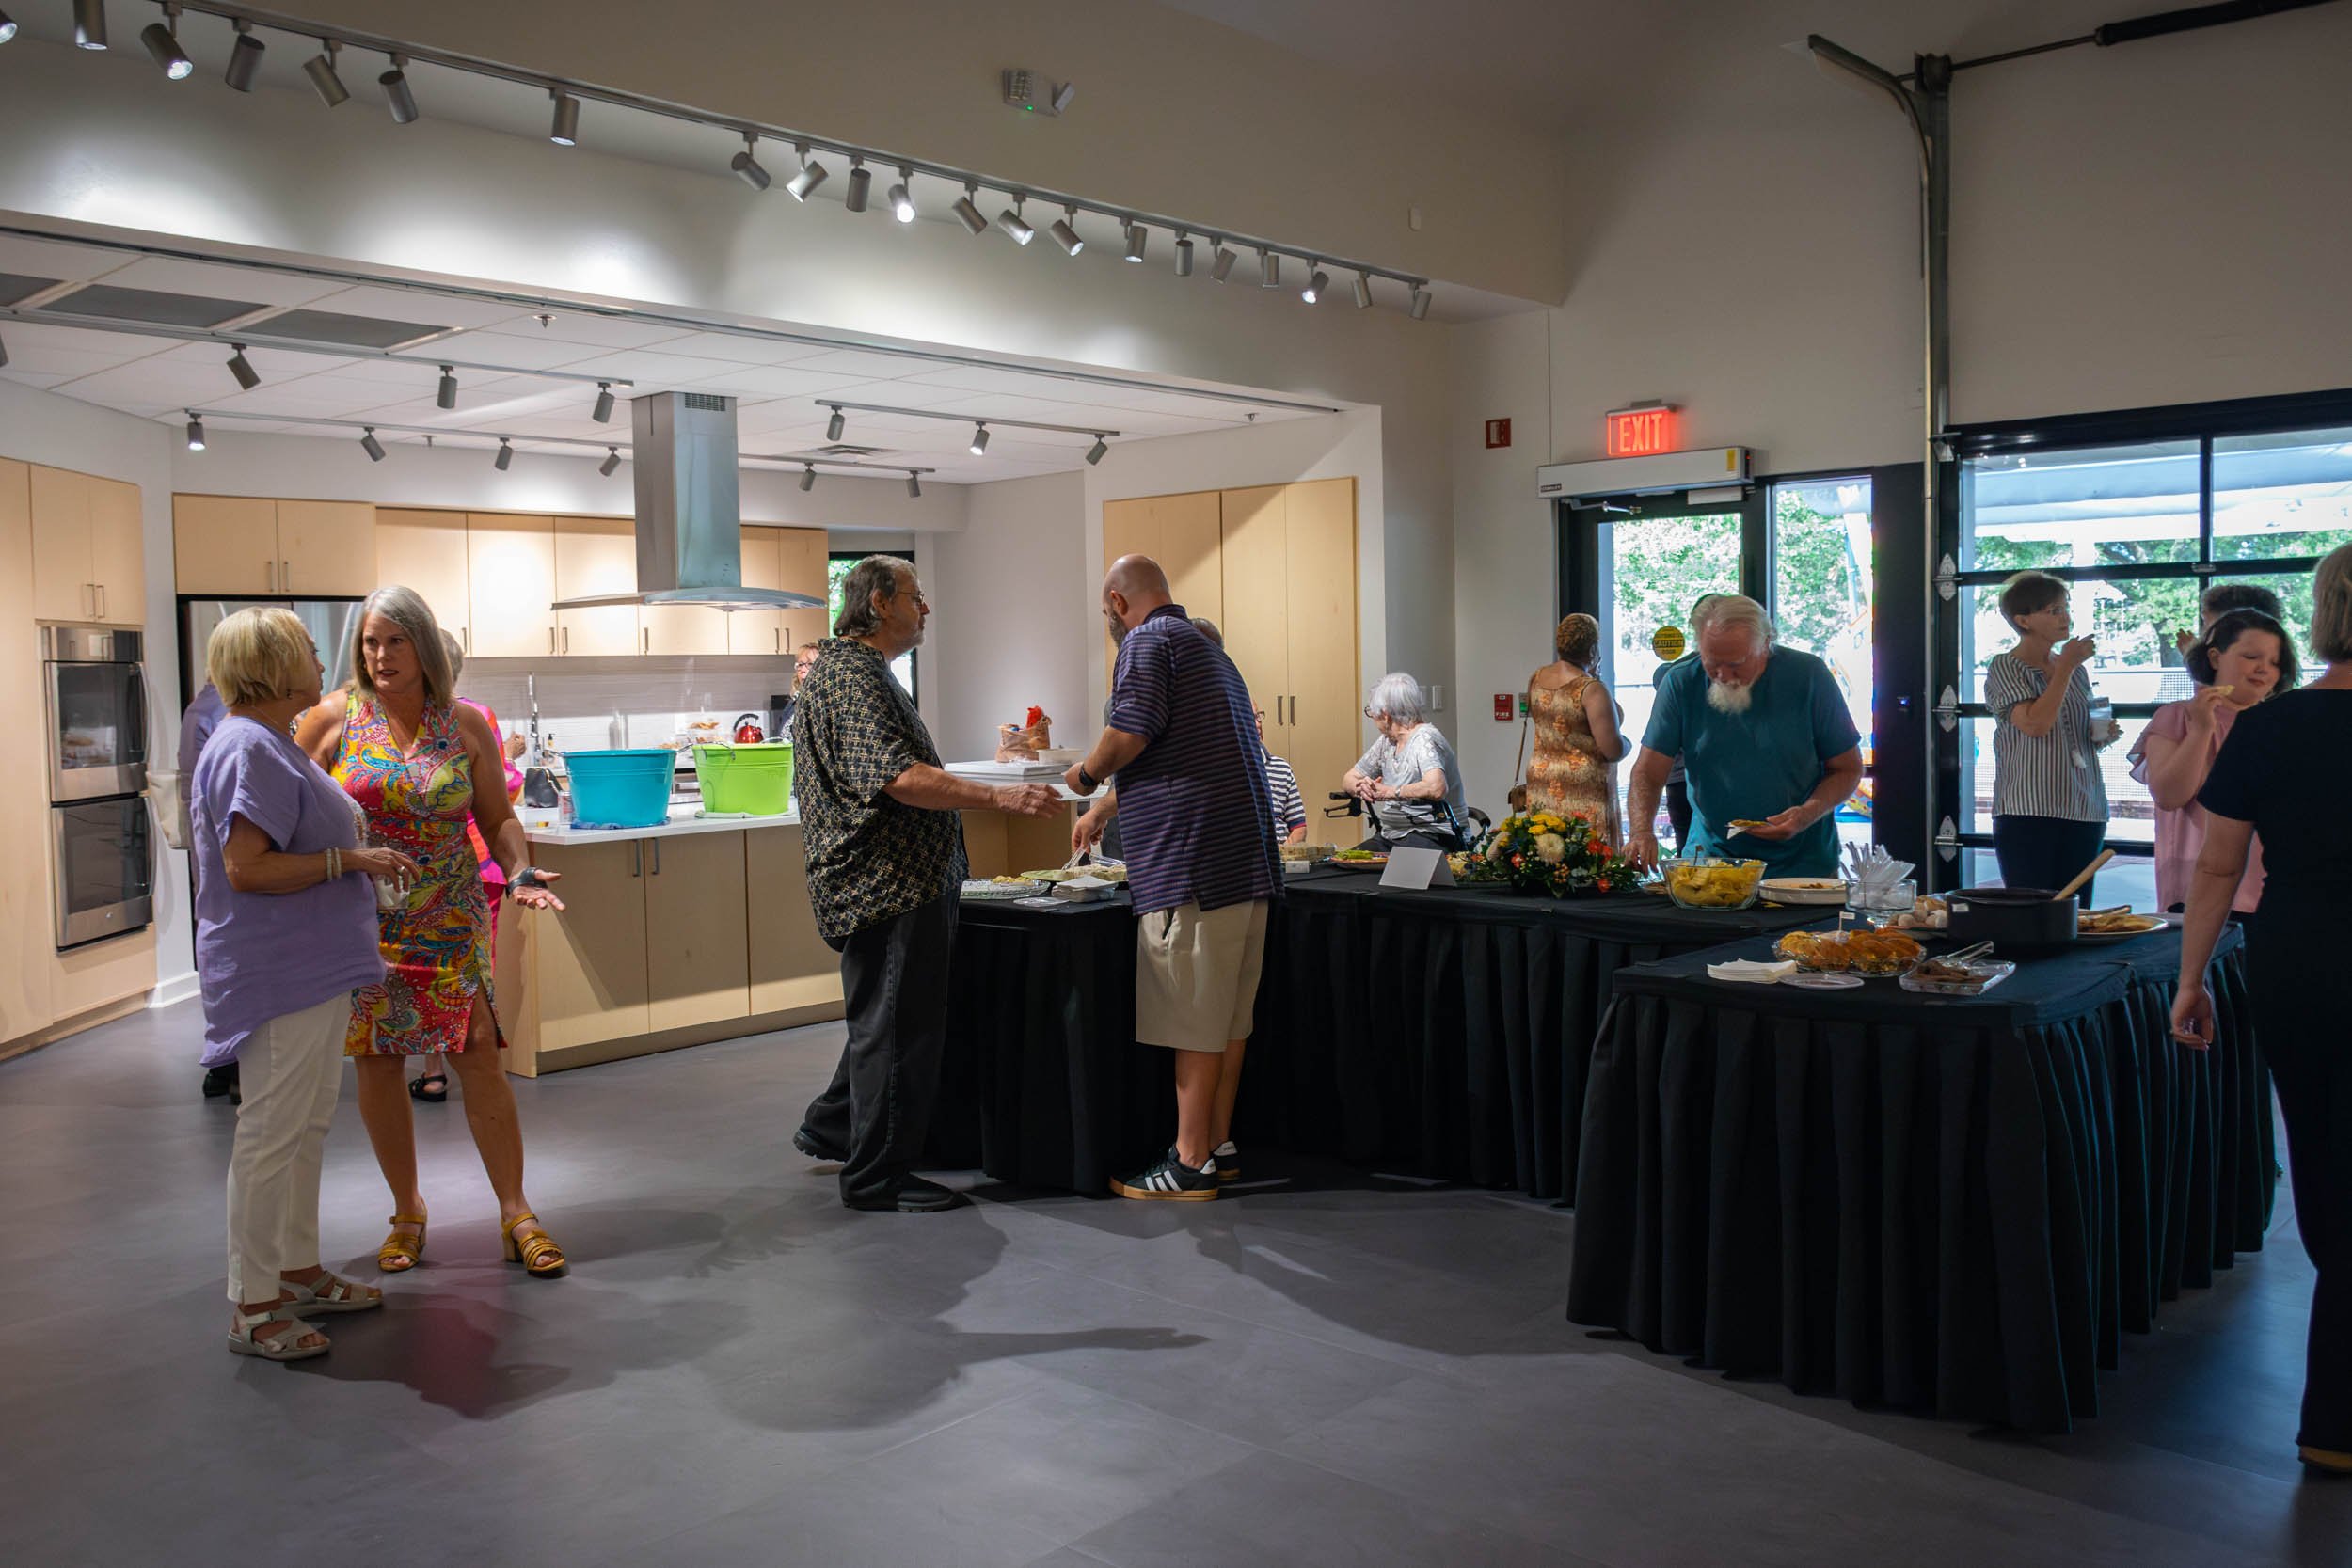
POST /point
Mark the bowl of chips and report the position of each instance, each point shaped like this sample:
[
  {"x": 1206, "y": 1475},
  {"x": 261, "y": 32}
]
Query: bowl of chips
[{"x": 1704, "y": 884}]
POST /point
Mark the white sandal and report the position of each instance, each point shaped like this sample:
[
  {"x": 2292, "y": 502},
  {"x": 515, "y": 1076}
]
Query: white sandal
[
  {"x": 286, "y": 1347},
  {"x": 329, "y": 1294}
]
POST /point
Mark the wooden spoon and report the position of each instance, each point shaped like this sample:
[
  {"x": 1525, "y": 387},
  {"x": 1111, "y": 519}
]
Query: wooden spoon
[{"x": 2062, "y": 895}]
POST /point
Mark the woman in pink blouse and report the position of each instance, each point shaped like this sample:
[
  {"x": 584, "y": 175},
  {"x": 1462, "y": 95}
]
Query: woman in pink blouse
[{"x": 2243, "y": 657}]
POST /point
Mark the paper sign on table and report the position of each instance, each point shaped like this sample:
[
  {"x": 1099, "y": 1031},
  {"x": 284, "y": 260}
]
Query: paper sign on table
[{"x": 1417, "y": 869}]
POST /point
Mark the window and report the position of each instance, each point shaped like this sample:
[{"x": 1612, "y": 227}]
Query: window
[{"x": 836, "y": 569}]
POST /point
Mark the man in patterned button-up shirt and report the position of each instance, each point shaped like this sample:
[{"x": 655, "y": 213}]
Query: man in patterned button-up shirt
[{"x": 885, "y": 865}]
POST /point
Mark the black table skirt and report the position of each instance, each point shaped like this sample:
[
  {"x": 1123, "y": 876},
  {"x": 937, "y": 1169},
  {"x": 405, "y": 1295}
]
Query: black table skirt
[
  {"x": 1446, "y": 1033},
  {"x": 1041, "y": 1082},
  {"x": 1955, "y": 1206}
]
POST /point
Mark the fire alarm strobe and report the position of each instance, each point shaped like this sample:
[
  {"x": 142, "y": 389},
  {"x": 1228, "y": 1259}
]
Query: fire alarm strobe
[{"x": 1020, "y": 85}]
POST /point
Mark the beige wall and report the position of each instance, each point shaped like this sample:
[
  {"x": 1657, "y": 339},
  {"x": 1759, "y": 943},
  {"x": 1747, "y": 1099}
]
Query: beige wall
[{"x": 1014, "y": 621}]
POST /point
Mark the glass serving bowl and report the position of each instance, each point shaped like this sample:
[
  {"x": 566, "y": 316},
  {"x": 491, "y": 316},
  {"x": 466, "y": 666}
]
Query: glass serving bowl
[{"x": 1700, "y": 884}]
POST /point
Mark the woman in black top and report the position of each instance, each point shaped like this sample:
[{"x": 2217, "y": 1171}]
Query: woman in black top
[{"x": 2282, "y": 773}]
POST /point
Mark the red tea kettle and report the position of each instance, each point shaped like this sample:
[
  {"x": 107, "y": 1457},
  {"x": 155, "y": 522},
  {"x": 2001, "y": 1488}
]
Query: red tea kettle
[{"x": 747, "y": 730}]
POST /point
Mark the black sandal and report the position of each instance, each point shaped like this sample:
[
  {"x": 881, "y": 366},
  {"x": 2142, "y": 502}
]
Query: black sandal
[{"x": 438, "y": 1078}]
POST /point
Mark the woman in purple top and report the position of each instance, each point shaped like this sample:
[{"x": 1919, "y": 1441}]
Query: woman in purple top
[{"x": 285, "y": 931}]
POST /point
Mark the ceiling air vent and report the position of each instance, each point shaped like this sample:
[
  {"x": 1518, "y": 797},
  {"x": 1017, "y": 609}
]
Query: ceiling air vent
[
  {"x": 707, "y": 403},
  {"x": 328, "y": 326},
  {"x": 113, "y": 303},
  {"x": 14, "y": 287},
  {"x": 843, "y": 449}
]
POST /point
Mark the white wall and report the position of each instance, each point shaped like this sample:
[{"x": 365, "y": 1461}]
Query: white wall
[
  {"x": 1014, "y": 617},
  {"x": 63, "y": 434}
]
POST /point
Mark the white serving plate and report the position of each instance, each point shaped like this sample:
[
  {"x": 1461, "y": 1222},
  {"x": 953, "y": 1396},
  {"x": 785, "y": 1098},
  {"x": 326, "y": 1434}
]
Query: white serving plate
[{"x": 1801, "y": 890}]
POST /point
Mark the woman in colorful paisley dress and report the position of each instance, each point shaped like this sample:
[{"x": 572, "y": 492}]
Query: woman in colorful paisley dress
[
  {"x": 408, "y": 753},
  {"x": 1577, "y": 740}
]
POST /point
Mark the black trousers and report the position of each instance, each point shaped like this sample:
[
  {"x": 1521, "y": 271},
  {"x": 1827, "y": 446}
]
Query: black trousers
[
  {"x": 2046, "y": 851},
  {"x": 894, "y": 984},
  {"x": 2301, "y": 1002},
  {"x": 1679, "y": 809}
]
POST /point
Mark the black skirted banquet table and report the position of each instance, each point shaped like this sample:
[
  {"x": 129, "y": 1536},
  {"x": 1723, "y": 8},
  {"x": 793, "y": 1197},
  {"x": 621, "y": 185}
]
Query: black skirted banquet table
[
  {"x": 1440, "y": 1034},
  {"x": 1950, "y": 1204}
]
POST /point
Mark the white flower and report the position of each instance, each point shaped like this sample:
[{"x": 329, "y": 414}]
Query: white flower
[
  {"x": 1498, "y": 846},
  {"x": 1553, "y": 848}
]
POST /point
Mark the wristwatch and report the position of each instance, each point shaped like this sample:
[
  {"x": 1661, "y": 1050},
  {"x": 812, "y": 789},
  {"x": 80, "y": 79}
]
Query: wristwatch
[{"x": 1088, "y": 779}]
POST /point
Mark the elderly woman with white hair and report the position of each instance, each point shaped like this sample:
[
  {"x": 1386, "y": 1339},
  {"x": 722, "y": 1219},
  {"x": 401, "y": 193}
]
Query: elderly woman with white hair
[
  {"x": 412, "y": 756},
  {"x": 1765, "y": 738},
  {"x": 1409, "y": 778},
  {"x": 285, "y": 933}
]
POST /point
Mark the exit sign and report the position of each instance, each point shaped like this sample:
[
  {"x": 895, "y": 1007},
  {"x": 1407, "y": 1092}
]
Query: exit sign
[{"x": 1642, "y": 432}]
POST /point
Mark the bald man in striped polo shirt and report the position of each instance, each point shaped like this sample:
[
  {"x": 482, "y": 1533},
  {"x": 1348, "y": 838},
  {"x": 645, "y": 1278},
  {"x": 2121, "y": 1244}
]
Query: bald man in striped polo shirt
[{"x": 1197, "y": 822}]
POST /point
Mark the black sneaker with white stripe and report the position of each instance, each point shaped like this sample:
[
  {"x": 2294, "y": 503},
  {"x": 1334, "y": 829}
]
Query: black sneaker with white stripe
[
  {"x": 1170, "y": 1181},
  {"x": 1227, "y": 1159}
]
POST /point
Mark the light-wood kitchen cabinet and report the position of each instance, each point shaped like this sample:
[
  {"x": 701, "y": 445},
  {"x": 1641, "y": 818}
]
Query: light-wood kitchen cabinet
[
  {"x": 27, "y": 947},
  {"x": 791, "y": 967},
  {"x": 791, "y": 559},
  {"x": 89, "y": 548},
  {"x": 427, "y": 551},
  {"x": 1324, "y": 694},
  {"x": 1257, "y": 607},
  {"x": 697, "y": 954},
  {"x": 509, "y": 574},
  {"x": 595, "y": 555},
  {"x": 588, "y": 975},
  {"x": 1184, "y": 533},
  {"x": 247, "y": 546},
  {"x": 759, "y": 632}
]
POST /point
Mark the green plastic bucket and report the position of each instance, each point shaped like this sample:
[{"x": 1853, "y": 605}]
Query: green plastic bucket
[{"x": 756, "y": 779}]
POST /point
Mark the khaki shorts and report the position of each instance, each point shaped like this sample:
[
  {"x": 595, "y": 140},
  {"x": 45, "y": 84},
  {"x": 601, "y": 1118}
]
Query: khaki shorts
[{"x": 1197, "y": 975}]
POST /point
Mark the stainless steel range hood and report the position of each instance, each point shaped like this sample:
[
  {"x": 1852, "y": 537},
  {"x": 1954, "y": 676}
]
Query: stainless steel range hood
[{"x": 690, "y": 516}]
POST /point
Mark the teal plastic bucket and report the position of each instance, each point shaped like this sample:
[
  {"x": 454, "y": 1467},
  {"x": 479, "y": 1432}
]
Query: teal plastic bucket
[
  {"x": 625, "y": 788},
  {"x": 755, "y": 780}
]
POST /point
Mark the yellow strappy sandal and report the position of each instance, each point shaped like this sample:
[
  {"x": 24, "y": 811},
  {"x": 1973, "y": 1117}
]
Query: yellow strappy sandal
[
  {"x": 534, "y": 1249},
  {"x": 401, "y": 1251}
]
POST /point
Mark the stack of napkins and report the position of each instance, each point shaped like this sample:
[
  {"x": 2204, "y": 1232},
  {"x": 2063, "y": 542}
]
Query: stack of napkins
[
  {"x": 1750, "y": 971},
  {"x": 1084, "y": 889}
]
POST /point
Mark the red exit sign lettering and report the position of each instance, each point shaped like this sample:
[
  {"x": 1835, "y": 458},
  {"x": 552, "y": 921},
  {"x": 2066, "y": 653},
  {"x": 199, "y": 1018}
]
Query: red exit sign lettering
[{"x": 1640, "y": 432}]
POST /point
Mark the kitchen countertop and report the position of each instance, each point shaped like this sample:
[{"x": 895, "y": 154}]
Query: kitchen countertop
[{"x": 684, "y": 820}]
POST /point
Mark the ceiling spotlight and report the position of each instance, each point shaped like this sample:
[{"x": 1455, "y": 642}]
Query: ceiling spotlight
[
  {"x": 368, "y": 444},
  {"x": 1315, "y": 285},
  {"x": 402, "y": 102},
  {"x": 1094, "y": 452},
  {"x": 602, "y": 413},
  {"x": 811, "y": 176},
  {"x": 8, "y": 27},
  {"x": 196, "y": 432},
  {"x": 90, "y": 23},
  {"x": 1137, "y": 235},
  {"x": 564, "y": 129},
  {"x": 163, "y": 46},
  {"x": 1065, "y": 232},
  {"x": 1363, "y": 289},
  {"x": 834, "y": 426},
  {"x": 1269, "y": 270},
  {"x": 505, "y": 459},
  {"x": 611, "y": 461},
  {"x": 861, "y": 181},
  {"x": 746, "y": 164},
  {"x": 979, "y": 439},
  {"x": 1011, "y": 221},
  {"x": 914, "y": 485},
  {"x": 968, "y": 214},
  {"x": 1223, "y": 267},
  {"x": 808, "y": 476},
  {"x": 1183, "y": 256},
  {"x": 1420, "y": 307},
  {"x": 245, "y": 60},
  {"x": 447, "y": 397},
  {"x": 242, "y": 367},
  {"x": 320, "y": 68},
  {"x": 901, "y": 199}
]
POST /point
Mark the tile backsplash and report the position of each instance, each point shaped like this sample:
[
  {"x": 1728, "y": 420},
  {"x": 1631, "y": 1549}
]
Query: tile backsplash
[{"x": 591, "y": 704}]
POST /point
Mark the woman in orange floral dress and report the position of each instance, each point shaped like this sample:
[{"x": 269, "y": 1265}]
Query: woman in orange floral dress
[
  {"x": 409, "y": 753},
  {"x": 1578, "y": 743}
]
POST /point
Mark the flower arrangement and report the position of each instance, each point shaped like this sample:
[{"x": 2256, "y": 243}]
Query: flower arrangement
[{"x": 1544, "y": 851}]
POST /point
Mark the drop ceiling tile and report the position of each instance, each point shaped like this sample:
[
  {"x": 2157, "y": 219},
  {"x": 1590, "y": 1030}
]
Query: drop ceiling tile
[
  {"x": 150, "y": 384},
  {"x": 776, "y": 381},
  {"x": 562, "y": 424},
  {"x": 57, "y": 257},
  {"x": 851, "y": 362},
  {"x": 975, "y": 378},
  {"x": 897, "y": 394},
  {"x": 211, "y": 280},
  {"x": 388, "y": 372},
  {"x": 25, "y": 375},
  {"x": 410, "y": 305},
  {"x": 514, "y": 349},
  {"x": 743, "y": 349},
  {"x": 271, "y": 362},
  {"x": 608, "y": 332},
  {"x": 652, "y": 370},
  {"x": 314, "y": 397},
  {"x": 56, "y": 359}
]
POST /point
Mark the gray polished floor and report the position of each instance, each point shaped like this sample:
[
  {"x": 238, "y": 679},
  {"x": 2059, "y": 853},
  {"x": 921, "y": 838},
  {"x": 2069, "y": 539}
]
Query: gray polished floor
[{"x": 1326, "y": 1367}]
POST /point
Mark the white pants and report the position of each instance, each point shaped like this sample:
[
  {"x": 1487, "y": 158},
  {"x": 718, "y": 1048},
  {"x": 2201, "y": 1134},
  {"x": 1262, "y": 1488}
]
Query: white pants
[{"x": 288, "y": 1071}]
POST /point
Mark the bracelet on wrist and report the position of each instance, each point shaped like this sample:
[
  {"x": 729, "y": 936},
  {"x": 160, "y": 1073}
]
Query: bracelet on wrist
[
  {"x": 525, "y": 876},
  {"x": 1087, "y": 781}
]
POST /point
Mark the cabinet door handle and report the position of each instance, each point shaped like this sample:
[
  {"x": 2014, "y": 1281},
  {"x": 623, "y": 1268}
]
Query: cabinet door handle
[
  {"x": 636, "y": 856},
  {"x": 550, "y": 639},
  {"x": 465, "y": 638},
  {"x": 657, "y": 855},
  {"x": 779, "y": 640},
  {"x": 269, "y": 576},
  {"x": 100, "y": 589},
  {"x": 285, "y": 576},
  {"x": 645, "y": 645}
]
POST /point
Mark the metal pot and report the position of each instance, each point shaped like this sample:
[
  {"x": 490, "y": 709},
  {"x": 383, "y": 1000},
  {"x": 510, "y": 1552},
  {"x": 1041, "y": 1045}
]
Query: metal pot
[{"x": 2015, "y": 919}]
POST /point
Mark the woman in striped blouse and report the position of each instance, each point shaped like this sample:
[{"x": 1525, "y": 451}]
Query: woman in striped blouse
[{"x": 2049, "y": 803}]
